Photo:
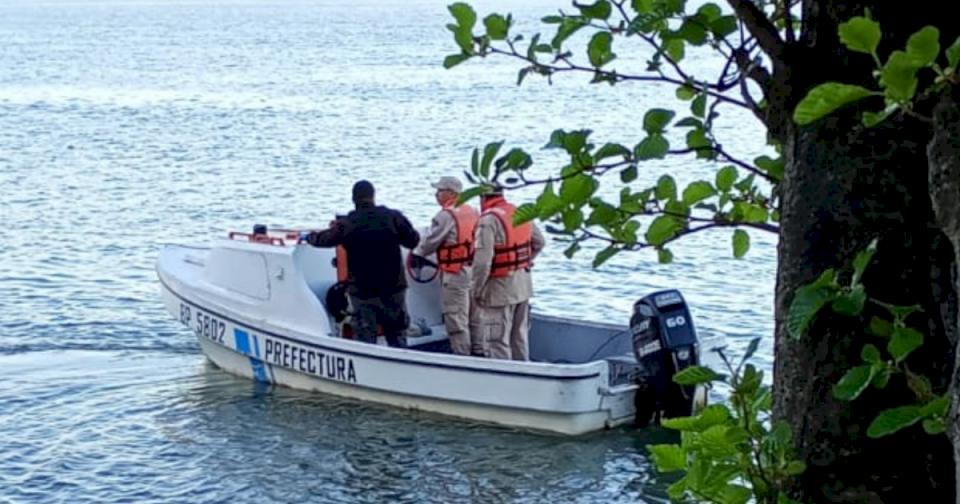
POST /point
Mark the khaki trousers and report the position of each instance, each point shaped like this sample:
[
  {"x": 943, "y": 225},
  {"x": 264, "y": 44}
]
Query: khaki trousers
[
  {"x": 506, "y": 330},
  {"x": 455, "y": 301}
]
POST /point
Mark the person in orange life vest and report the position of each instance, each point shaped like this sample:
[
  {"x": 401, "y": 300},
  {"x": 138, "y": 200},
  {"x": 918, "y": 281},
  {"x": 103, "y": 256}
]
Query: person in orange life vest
[
  {"x": 502, "y": 285},
  {"x": 451, "y": 238}
]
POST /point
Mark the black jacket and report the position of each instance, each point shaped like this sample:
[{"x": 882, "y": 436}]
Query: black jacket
[{"x": 372, "y": 237}]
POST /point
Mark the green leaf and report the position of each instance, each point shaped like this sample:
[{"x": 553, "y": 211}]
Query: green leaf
[
  {"x": 934, "y": 426},
  {"x": 578, "y": 188},
  {"x": 603, "y": 214},
  {"x": 699, "y": 105},
  {"x": 871, "y": 119},
  {"x": 715, "y": 414},
  {"x": 825, "y": 98},
  {"x": 795, "y": 468},
  {"x": 497, "y": 26},
  {"x": 862, "y": 260},
  {"x": 953, "y": 53},
  {"x": 677, "y": 208},
  {"x": 860, "y": 34},
  {"x": 808, "y": 301},
  {"x": 655, "y": 120},
  {"x": 693, "y": 32},
  {"x": 454, "y": 60},
  {"x": 924, "y": 46},
  {"x": 698, "y": 191},
  {"x": 664, "y": 256},
  {"x": 673, "y": 48},
  {"x": 695, "y": 375},
  {"x": 666, "y": 188},
  {"x": 663, "y": 228},
  {"x": 892, "y": 420},
  {"x": 464, "y": 14},
  {"x": 709, "y": 12},
  {"x": 726, "y": 177},
  {"x": 741, "y": 243},
  {"x": 937, "y": 407},
  {"x": 568, "y": 26},
  {"x": 714, "y": 442},
  {"x": 723, "y": 26},
  {"x": 870, "y": 353},
  {"x": 773, "y": 167},
  {"x": 920, "y": 385},
  {"x": 736, "y": 435},
  {"x": 654, "y": 146},
  {"x": 525, "y": 213},
  {"x": 783, "y": 499},
  {"x": 899, "y": 76},
  {"x": 880, "y": 327},
  {"x": 572, "y": 249},
  {"x": 686, "y": 92},
  {"x": 689, "y": 122},
  {"x": 475, "y": 162},
  {"x": 629, "y": 174},
  {"x": 604, "y": 255},
  {"x": 599, "y": 49},
  {"x": 751, "y": 348},
  {"x": 470, "y": 193},
  {"x": 882, "y": 377},
  {"x": 697, "y": 139},
  {"x": 549, "y": 203},
  {"x": 853, "y": 382},
  {"x": 668, "y": 457},
  {"x": 516, "y": 159},
  {"x": 734, "y": 494},
  {"x": 611, "y": 150},
  {"x": 599, "y": 10},
  {"x": 850, "y": 303},
  {"x": 488, "y": 153},
  {"x": 678, "y": 489},
  {"x": 750, "y": 382},
  {"x": 903, "y": 341}
]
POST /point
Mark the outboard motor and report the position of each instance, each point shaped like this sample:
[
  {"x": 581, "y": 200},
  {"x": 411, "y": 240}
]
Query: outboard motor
[{"x": 664, "y": 342}]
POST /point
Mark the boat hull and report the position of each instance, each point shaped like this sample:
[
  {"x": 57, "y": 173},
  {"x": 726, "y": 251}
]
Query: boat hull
[{"x": 568, "y": 403}]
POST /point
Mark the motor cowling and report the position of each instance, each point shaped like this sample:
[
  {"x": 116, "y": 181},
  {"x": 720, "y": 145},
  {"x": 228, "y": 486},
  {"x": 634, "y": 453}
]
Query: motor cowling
[{"x": 664, "y": 343}]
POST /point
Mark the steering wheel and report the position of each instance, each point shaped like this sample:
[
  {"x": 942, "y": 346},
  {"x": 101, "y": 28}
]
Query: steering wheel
[{"x": 416, "y": 272}]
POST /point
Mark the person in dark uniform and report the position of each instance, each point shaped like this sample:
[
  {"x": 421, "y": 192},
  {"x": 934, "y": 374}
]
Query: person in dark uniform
[{"x": 376, "y": 289}]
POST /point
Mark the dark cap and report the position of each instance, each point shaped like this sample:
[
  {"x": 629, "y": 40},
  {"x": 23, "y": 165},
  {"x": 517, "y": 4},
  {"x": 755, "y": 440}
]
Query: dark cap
[{"x": 362, "y": 191}]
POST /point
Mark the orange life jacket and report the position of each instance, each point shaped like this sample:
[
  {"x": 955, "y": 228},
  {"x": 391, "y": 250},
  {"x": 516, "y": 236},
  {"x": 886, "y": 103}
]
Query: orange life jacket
[
  {"x": 452, "y": 256},
  {"x": 517, "y": 252}
]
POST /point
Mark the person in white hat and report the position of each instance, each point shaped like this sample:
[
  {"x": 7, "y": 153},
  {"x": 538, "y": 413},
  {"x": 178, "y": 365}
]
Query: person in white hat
[
  {"x": 451, "y": 238},
  {"x": 502, "y": 284}
]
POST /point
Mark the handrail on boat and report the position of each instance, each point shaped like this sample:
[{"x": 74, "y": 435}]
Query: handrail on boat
[{"x": 257, "y": 238}]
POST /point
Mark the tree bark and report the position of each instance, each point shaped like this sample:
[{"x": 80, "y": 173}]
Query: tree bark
[
  {"x": 944, "y": 176},
  {"x": 843, "y": 186}
]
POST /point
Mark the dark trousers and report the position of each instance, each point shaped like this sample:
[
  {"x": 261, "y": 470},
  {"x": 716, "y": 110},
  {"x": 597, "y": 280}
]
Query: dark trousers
[{"x": 390, "y": 311}]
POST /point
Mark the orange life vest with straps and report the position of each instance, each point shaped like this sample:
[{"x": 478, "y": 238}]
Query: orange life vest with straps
[
  {"x": 452, "y": 256},
  {"x": 517, "y": 252}
]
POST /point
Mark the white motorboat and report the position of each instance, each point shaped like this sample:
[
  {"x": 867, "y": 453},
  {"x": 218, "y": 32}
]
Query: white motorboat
[{"x": 269, "y": 308}]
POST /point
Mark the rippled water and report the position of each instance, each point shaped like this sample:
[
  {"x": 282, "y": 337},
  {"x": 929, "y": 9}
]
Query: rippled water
[{"x": 125, "y": 125}]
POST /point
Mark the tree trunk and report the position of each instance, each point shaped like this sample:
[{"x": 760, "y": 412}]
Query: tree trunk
[
  {"x": 944, "y": 176},
  {"x": 843, "y": 186}
]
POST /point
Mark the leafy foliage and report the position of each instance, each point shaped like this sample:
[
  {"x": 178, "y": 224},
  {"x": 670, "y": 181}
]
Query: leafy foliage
[
  {"x": 876, "y": 370},
  {"x": 569, "y": 202},
  {"x": 896, "y": 78},
  {"x": 730, "y": 454}
]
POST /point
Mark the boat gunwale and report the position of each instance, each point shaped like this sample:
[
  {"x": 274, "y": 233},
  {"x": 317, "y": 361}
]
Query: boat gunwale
[{"x": 466, "y": 366}]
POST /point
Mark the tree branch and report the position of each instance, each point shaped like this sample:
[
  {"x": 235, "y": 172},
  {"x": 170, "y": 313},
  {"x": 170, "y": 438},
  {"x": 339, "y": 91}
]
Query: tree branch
[{"x": 759, "y": 27}]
